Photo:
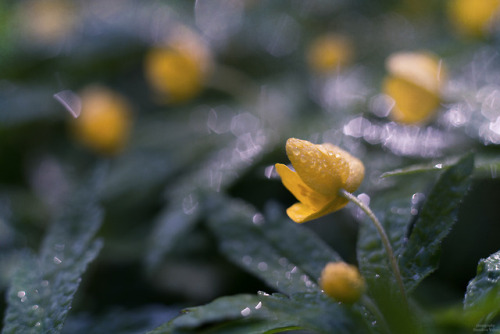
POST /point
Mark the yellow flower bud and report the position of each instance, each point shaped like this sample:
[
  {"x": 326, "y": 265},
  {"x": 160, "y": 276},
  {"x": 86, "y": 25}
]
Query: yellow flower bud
[
  {"x": 104, "y": 122},
  {"x": 473, "y": 18},
  {"x": 414, "y": 83},
  {"x": 342, "y": 282},
  {"x": 329, "y": 52},
  {"x": 177, "y": 69},
  {"x": 320, "y": 172}
]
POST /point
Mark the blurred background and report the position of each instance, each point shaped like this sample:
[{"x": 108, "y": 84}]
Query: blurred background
[{"x": 176, "y": 100}]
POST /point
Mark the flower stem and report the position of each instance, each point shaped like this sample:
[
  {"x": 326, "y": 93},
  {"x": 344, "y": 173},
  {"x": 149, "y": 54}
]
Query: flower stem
[{"x": 385, "y": 240}]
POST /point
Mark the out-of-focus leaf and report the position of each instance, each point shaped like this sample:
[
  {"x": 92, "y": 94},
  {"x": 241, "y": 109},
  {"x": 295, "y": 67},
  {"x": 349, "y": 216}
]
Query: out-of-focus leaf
[
  {"x": 421, "y": 254},
  {"x": 16, "y": 108},
  {"x": 285, "y": 255},
  {"x": 483, "y": 292},
  {"x": 119, "y": 320},
  {"x": 43, "y": 287},
  {"x": 264, "y": 314}
]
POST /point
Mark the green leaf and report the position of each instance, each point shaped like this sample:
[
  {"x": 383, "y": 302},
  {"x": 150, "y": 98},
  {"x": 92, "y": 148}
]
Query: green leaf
[
  {"x": 262, "y": 313},
  {"x": 439, "y": 213},
  {"x": 420, "y": 168},
  {"x": 483, "y": 292},
  {"x": 43, "y": 287},
  {"x": 287, "y": 256}
]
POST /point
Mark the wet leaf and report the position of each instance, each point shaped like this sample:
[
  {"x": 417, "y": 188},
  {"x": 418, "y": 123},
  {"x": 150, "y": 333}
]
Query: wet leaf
[
  {"x": 262, "y": 313},
  {"x": 483, "y": 292},
  {"x": 420, "y": 168},
  {"x": 287, "y": 256},
  {"x": 43, "y": 287},
  {"x": 438, "y": 215}
]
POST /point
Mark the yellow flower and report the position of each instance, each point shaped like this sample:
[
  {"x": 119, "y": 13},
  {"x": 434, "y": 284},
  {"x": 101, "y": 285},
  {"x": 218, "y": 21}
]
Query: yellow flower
[
  {"x": 104, "y": 122},
  {"x": 473, "y": 18},
  {"x": 414, "y": 83},
  {"x": 329, "y": 52},
  {"x": 320, "y": 172},
  {"x": 177, "y": 69},
  {"x": 342, "y": 282}
]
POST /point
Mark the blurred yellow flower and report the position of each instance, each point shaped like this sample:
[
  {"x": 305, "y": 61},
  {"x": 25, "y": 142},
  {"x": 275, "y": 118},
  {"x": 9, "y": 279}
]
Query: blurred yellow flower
[
  {"x": 414, "y": 83},
  {"x": 104, "y": 122},
  {"x": 342, "y": 282},
  {"x": 473, "y": 18},
  {"x": 329, "y": 52},
  {"x": 177, "y": 69},
  {"x": 320, "y": 172}
]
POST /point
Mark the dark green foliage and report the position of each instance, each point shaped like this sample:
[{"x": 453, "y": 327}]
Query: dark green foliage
[
  {"x": 43, "y": 287},
  {"x": 421, "y": 254}
]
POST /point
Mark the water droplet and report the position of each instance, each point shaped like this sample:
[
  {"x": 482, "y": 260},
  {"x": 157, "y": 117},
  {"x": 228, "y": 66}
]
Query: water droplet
[
  {"x": 246, "y": 311},
  {"x": 38, "y": 324},
  {"x": 258, "y": 219},
  {"x": 21, "y": 294},
  {"x": 377, "y": 276},
  {"x": 57, "y": 260},
  {"x": 258, "y": 306},
  {"x": 189, "y": 204},
  {"x": 374, "y": 323},
  {"x": 438, "y": 166},
  {"x": 247, "y": 260},
  {"x": 45, "y": 283},
  {"x": 262, "y": 293},
  {"x": 417, "y": 198},
  {"x": 34, "y": 307},
  {"x": 262, "y": 266}
]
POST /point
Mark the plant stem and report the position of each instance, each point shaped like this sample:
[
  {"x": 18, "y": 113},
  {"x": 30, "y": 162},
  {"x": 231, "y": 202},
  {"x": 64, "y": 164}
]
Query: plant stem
[{"x": 383, "y": 237}]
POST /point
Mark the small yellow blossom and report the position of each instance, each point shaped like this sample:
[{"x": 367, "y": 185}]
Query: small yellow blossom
[
  {"x": 342, "y": 282},
  {"x": 329, "y": 52},
  {"x": 473, "y": 18},
  {"x": 104, "y": 122},
  {"x": 178, "y": 68},
  {"x": 320, "y": 172},
  {"x": 414, "y": 83}
]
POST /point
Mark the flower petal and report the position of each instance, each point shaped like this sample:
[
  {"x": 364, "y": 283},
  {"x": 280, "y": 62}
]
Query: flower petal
[
  {"x": 353, "y": 175},
  {"x": 301, "y": 213},
  {"x": 318, "y": 169},
  {"x": 300, "y": 190}
]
